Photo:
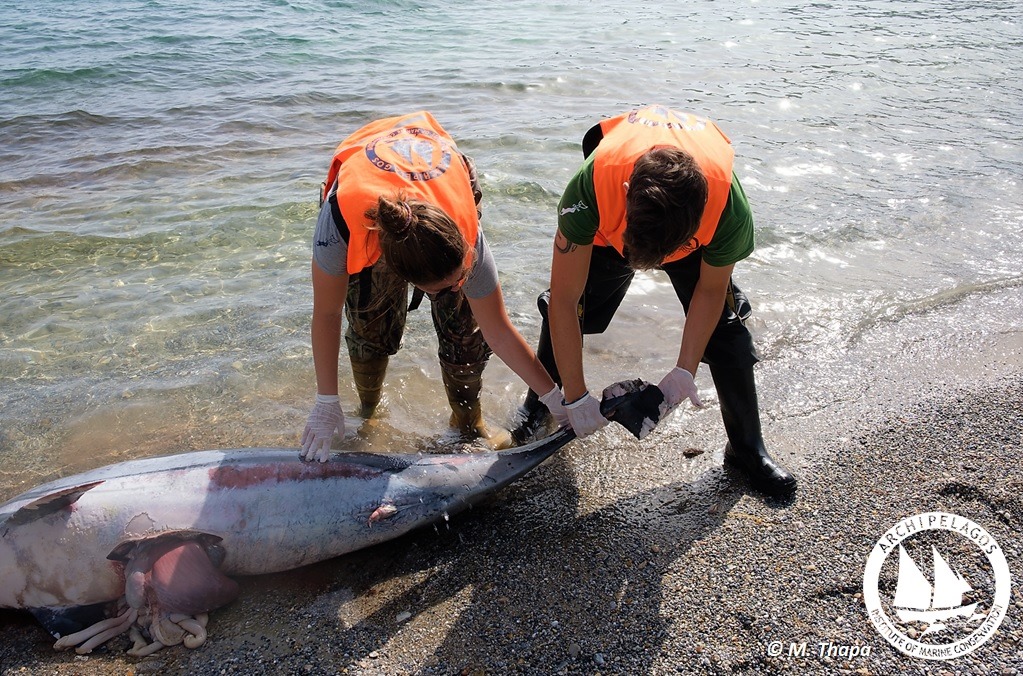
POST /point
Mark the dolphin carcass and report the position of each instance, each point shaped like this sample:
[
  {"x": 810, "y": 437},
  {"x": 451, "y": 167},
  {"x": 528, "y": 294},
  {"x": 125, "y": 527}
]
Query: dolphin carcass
[
  {"x": 146, "y": 545},
  {"x": 163, "y": 533}
]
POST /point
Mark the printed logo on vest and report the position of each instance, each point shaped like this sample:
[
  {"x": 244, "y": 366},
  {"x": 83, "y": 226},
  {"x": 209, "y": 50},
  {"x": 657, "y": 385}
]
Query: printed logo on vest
[
  {"x": 660, "y": 116},
  {"x": 936, "y": 586},
  {"x": 413, "y": 153}
]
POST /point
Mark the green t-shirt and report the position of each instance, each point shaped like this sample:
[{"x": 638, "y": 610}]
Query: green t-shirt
[{"x": 578, "y": 219}]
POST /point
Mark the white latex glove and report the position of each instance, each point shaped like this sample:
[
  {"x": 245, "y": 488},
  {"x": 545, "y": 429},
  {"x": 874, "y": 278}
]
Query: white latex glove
[
  {"x": 325, "y": 417},
  {"x": 555, "y": 403},
  {"x": 584, "y": 415},
  {"x": 679, "y": 385}
]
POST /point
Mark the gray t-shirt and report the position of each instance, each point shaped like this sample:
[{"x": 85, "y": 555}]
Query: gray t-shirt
[{"x": 331, "y": 254}]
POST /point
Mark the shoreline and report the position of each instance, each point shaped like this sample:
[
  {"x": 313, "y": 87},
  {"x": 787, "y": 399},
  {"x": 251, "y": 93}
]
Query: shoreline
[
  {"x": 589, "y": 565},
  {"x": 706, "y": 594}
]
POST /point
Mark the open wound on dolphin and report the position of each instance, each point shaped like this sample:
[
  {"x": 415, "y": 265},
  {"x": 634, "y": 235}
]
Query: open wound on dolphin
[
  {"x": 384, "y": 511},
  {"x": 184, "y": 580},
  {"x": 170, "y": 585}
]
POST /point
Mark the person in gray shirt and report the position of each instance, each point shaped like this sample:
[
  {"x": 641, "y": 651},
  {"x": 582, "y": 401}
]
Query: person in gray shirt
[{"x": 400, "y": 207}]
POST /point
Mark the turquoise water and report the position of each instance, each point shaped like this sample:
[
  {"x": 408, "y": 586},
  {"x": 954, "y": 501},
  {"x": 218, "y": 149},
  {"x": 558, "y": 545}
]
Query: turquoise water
[{"x": 159, "y": 163}]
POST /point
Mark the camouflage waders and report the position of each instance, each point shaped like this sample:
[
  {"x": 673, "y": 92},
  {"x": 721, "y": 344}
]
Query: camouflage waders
[{"x": 377, "y": 308}]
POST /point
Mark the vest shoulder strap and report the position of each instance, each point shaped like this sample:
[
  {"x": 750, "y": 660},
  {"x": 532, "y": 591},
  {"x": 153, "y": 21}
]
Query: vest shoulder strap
[{"x": 339, "y": 220}]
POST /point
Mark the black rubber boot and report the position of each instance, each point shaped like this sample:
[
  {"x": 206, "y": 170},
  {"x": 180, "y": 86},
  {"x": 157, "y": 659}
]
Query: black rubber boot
[
  {"x": 530, "y": 418},
  {"x": 737, "y": 392},
  {"x": 369, "y": 380},
  {"x": 532, "y": 415}
]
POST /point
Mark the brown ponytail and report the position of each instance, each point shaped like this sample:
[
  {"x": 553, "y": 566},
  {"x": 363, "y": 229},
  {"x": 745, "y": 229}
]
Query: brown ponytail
[{"x": 419, "y": 241}]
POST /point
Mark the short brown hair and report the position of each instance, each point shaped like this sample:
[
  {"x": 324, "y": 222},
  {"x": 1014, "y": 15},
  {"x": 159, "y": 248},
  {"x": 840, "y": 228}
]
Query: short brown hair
[
  {"x": 418, "y": 240},
  {"x": 663, "y": 206}
]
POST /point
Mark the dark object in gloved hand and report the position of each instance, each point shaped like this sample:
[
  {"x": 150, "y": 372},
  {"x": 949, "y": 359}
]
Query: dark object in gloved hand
[{"x": 633, "y": 404}]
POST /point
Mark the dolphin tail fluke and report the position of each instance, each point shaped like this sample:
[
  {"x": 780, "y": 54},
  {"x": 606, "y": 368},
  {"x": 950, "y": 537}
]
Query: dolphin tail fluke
[{"x": 633, "y": 404}]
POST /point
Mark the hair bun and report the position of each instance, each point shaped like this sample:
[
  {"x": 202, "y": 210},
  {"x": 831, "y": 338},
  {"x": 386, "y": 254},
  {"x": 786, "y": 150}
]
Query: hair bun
[
  {"x": 395, "y": 216},
  {"x": 403, "y": 222}
]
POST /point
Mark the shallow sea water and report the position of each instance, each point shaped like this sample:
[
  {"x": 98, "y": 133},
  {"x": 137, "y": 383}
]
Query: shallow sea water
[{"x": 159, "y": 164}]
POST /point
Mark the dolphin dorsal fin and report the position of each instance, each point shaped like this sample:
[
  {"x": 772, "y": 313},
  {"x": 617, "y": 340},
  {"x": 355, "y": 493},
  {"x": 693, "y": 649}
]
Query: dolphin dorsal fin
[{"x": 49, "y": 504}]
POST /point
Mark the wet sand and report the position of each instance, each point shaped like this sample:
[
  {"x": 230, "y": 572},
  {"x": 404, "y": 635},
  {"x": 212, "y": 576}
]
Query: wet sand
[{"x": 654, "y": 562}]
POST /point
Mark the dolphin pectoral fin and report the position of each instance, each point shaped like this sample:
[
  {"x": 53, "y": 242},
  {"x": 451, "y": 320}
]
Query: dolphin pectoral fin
[
  {"x": 49, "y": 503},
  {"x": 633, "y": 404}
]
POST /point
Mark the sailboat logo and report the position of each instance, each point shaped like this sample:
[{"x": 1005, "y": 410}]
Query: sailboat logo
[
  {"x": 947, "y": 603},
  {"x": 916, "y": 600}
]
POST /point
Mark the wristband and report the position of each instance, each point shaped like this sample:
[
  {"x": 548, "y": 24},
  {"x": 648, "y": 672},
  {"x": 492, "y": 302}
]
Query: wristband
[{"x": 576, "y": 402}]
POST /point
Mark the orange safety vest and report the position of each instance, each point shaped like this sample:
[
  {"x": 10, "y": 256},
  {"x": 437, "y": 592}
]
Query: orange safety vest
[
  {"x": 412, "y": 153},
  {"x": 628, "y": 136}
]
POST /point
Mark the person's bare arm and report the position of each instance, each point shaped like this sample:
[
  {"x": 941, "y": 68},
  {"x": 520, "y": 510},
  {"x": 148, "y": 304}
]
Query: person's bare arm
[
  {"x": 570, "y": 267},
  {"x": 329, "y": 293}
]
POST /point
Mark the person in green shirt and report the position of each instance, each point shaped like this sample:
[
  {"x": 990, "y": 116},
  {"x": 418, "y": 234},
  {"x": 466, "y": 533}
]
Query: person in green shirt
[{"x": 654, "y": 219}]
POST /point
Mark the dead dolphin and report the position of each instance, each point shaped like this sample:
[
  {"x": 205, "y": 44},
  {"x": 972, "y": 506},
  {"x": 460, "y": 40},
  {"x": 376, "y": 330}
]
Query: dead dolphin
[
  {"x": 165, "y": 532},
  {"x": 149, "y": 544}
]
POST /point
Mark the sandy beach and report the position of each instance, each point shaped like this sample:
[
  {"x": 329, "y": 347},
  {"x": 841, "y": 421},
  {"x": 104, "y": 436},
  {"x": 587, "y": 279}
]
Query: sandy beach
[{"x": 668, "y": 565}]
